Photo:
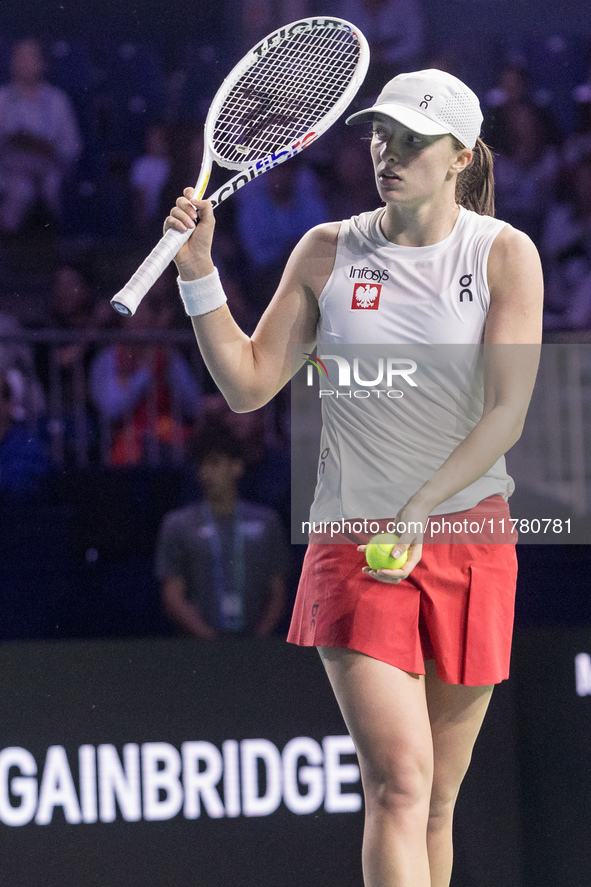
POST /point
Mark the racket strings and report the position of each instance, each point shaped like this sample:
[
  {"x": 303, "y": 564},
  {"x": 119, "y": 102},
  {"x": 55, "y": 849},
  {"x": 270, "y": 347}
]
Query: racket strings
[{"x": 285, "y": 93}]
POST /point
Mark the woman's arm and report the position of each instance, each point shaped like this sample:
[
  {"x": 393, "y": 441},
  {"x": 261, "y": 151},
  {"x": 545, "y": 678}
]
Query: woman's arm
[
  {"x": 249, "y": 371},
  {"x": 511, "y": 353}
]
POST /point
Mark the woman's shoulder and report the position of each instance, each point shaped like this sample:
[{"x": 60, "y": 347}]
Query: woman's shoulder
[
  {"x": 316, "y": 252},
  {"x": 514, "y": 270},
  {"x": 511, "y": 243},
  {"x": 320, "y": 239},
  {"x": 362, "y": 224},
  {"x": 326, "y": 230}
]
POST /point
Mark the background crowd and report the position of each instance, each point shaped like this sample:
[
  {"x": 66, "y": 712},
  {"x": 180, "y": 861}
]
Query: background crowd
[{"x": 99, "y": 415}]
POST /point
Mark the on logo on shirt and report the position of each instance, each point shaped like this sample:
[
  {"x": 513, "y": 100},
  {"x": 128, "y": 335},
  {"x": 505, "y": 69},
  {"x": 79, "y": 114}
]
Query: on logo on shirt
[{"x": 366, "y": 295}]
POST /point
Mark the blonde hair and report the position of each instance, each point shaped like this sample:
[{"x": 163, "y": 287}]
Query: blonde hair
[{"x": 475, "y": 186}]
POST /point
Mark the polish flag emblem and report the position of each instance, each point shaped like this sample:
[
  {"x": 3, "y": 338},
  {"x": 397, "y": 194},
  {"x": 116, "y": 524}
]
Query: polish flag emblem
[{"x": 366, "y": 295}]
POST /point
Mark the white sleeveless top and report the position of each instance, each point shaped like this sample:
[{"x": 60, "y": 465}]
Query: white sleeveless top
[{"x": 377, "y": 451}]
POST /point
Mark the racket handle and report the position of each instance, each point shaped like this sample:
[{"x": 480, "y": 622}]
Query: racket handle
[{"x": 126, "y": 301}]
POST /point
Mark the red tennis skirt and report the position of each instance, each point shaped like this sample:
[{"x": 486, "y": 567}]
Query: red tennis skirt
[{"x": 456, "y": 607}]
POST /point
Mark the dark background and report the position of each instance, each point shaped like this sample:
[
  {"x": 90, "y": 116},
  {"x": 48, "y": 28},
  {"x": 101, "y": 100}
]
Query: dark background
[
  {"x": 521, "y": 788},
  {"x": 523, "y": 817}
]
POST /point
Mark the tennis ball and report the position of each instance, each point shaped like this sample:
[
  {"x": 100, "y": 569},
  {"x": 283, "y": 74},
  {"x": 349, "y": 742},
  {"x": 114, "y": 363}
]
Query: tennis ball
[{"x": 377, "y": 553}]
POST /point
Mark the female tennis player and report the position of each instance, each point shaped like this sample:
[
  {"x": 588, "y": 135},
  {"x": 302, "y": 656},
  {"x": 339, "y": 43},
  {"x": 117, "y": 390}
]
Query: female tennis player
[{"x": 412, "y": 654}]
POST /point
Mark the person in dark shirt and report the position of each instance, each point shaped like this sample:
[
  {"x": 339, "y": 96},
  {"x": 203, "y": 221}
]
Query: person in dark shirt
[{"x": 221, "y": 561}]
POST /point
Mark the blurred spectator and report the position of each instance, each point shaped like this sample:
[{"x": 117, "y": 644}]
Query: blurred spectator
[
  {"x": 186, "y": 153},
  {"x": 395, "y": 32},
  {"x": 443, "y": 59},
  {"x": 72, "y": 305},
  {"x": 39, "y": 139},
  {"x": 267, "y": 468},
  {"x": 566, "y": 251},
  {"x": 222, "y": 561},
  {"x": 23, "y": 460},
  {"x": 146, "y": 392},
  {"x": 187, "y": 157},
  {"x": 64, "y": 367},
  {"x": 17, "y": 363},
  {"x": 578, "y": 142},
  {"x": 526, "y": 173},
  {"x": 254, "y": 19},
  {"x": 148, "y": 177},
  {"x": 349, "y": 183},
  {"x": 502, "y": 120},
  {"x": 272, "y": 214}
]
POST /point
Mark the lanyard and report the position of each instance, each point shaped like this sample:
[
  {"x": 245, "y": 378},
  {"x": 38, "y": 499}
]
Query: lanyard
[{"x": 229, "y": 589}]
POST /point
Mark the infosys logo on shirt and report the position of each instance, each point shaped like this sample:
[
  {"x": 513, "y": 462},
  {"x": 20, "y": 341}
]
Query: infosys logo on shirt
[{"x": 375, "y": 274}]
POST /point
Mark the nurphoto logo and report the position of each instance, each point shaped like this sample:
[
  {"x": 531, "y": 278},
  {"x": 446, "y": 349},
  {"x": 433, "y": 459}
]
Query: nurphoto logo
[
  {"x": 314, "y": 362},
  {"x": 361, "y": 380},
  {"x": 386, "y": 370}
]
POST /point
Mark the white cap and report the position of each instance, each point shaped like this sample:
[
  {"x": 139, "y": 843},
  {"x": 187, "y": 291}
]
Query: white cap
[{"x": 431, "y": 103}]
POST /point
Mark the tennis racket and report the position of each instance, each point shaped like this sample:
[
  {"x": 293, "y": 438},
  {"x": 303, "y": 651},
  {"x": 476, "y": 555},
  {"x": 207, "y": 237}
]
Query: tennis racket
[{"x": 275, "y": 102}]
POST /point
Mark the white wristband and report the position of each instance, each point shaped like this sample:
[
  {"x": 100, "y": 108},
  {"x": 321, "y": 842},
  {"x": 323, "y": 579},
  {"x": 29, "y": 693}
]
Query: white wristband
[{"x": 202, "y": 295}]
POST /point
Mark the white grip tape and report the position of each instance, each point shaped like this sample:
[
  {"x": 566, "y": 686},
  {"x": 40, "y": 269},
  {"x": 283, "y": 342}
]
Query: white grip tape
[
  {"x": 150, "y": 270},
  {"x": 202, "y": 295}
]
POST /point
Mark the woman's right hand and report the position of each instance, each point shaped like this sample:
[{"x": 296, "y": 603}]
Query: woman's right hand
[{"x": 194, "y": 258}]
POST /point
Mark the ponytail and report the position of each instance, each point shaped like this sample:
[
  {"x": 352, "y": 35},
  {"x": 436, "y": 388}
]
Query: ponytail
[{"x": 475, "y": 186}]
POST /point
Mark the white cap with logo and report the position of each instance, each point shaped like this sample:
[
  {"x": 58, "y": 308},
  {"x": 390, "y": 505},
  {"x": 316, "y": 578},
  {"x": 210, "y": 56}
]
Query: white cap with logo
[{"x": 430, "y": 102}]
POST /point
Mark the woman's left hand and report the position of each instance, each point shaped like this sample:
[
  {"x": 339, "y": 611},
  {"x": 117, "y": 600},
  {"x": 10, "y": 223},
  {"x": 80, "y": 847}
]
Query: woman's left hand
[{"x": 414, "y": 519}]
